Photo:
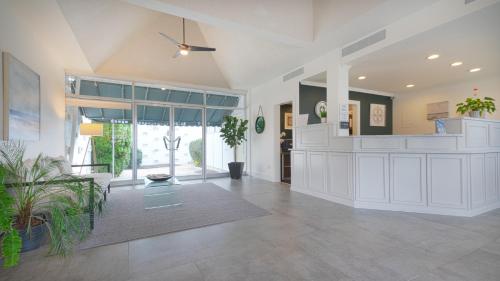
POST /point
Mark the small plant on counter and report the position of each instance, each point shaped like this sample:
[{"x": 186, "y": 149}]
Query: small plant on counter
[
  {"x": 476, "y": 106},
  {"x": 322, "y": 114}
]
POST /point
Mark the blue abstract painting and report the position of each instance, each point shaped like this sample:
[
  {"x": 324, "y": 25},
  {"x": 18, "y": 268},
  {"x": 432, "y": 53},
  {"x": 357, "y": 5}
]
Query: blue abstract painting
[{"x": 21, "y": 100}]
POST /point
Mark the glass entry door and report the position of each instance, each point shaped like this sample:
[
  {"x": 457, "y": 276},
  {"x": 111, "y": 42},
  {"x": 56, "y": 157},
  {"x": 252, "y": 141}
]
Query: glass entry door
[
  {"x": 170, "y": 141},
  {"x": 153, "y": 154},
  {"x": 187, "y": 143}
]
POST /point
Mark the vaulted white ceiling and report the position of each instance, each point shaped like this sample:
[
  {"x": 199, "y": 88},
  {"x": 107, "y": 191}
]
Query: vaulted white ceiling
[
  {"x": 255, "y": 40},
  {"x": 102, "y": 27},
  {"x": 147, "y": 54}
]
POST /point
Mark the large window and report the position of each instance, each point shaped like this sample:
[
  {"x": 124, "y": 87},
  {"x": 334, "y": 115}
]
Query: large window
[
  {"x": 170, "y": 122},
  {"x": 101, "y": 136}
]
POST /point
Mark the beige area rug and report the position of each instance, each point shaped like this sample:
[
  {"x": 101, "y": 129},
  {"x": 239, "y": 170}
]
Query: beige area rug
[{"x": 134, "y": 214}]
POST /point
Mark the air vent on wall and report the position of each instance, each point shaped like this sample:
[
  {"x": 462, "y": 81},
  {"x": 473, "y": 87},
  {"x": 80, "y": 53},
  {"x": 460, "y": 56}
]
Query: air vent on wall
[
  {"x": 469, "y": 1},
  {"x": 293, "y": 74},
  {"x": 363, "y": 43}
]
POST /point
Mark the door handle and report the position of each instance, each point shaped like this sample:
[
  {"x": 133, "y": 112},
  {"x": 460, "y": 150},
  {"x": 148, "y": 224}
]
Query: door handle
[
  {"x": 166, "y": 141},
  {"x": 178, "y": 139}
]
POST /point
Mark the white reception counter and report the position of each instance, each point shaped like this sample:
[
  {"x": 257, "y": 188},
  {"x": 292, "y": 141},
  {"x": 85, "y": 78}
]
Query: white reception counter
[{"x": 453, "y": 174}]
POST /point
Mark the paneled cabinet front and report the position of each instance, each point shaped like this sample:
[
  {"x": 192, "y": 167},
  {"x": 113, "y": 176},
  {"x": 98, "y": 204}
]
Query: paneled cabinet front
[
  {"x": 408, "y": 183},
  {"x": 339, "y": 181},
  {"x": 491, "y": 178},
  {"x": 372, "y": 177},
  {"x": 477, "y": 180},
  {"x": 447, "y": 180},
  {"x": 317, "y": 163},
  {"x": 299, "y": 169}
]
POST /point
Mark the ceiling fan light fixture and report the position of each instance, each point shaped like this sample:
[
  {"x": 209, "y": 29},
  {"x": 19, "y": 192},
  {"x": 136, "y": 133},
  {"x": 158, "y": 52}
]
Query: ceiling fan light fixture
[{"x": 184, "y": 52}]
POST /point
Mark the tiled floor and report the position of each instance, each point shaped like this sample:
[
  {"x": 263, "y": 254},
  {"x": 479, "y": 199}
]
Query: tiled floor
[{"x": 304, "y": 239}]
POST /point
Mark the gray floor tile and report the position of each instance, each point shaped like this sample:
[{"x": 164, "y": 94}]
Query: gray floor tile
[{"x": 304, "y": 238}]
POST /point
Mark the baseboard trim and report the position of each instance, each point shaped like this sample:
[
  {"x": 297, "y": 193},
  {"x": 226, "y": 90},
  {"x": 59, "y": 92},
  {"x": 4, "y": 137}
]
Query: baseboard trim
[
  {"x": 263, "y": 176},
  {"x": 327, "y": 197},
  {"x": 398, "y": 207}
]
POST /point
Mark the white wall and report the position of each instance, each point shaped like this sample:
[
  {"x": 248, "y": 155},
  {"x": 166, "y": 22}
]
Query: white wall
[
  {"x": 410, "y": 108},
  {"x": 265, "y": 148},
  {"x": 18, "y": 37}
]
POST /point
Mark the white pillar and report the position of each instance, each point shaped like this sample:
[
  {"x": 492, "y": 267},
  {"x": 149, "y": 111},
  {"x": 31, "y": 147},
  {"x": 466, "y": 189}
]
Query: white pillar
[{"x": 337, "y": 92}]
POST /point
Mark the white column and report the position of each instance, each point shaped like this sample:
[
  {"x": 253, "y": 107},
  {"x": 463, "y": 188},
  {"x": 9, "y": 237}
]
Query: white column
[{"x": 337, "y": 93}]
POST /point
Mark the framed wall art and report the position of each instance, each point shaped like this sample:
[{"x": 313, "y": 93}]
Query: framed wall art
[
  {"x": 288, "y": 121},
  {"x": 21, "y": 100},
  {"x": 377, "y": 115}
]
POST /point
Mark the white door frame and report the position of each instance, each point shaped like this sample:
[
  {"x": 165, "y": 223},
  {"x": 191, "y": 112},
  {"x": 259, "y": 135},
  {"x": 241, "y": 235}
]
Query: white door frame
[{"x": 357, "y": 103}]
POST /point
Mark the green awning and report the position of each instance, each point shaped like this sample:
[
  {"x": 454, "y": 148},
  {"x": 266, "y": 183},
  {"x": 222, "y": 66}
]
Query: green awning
[
  {"x": 155, "y": 114},
  {"x": 122, "y": 91}
]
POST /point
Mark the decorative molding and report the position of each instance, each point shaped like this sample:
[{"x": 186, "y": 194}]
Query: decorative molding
[{"x": 372, "y": 92}]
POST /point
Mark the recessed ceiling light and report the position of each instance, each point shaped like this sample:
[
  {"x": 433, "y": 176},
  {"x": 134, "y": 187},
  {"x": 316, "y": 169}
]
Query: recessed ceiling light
[
  {"x": 361, "y": 77},
  {"x": 475, "y": 69},
  {"x": 457, "y": 63},
  {"x": 410, "y": 86},
  {"x": 163, "y": 89},
  {"x": 433, "y": 57}
]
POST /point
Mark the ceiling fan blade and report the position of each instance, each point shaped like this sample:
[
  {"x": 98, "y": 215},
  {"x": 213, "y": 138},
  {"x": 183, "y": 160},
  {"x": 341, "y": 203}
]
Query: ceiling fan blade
[
  {"x": 169, "y": 38},
  {"x": 201, "y": 49},
  {"x": 177, "y": 54}
]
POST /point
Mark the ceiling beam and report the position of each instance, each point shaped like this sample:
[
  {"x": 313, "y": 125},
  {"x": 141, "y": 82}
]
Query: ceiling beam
[{"x": 294, "y": 27}]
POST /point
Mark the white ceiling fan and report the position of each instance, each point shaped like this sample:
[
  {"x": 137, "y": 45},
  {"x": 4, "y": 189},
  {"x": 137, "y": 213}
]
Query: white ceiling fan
[{"x": 183, "y": 48}]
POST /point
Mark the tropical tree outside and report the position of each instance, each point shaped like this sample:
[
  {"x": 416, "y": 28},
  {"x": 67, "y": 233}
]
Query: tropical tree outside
[{"x": 103, "y": 147}]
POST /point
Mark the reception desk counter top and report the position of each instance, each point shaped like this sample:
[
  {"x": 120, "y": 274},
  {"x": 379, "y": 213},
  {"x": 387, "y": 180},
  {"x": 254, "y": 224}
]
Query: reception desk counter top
[{"x": 452, "y": 174}]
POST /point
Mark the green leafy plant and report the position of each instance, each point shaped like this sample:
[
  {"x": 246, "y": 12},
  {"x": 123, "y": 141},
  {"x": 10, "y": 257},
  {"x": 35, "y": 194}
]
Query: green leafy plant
[
  {"x": 477, "y": 104},
  {"x": 10, "y": 239},
  {"x": 195, "y": 151},
  {"x": 322, "y": 112},
  {"x": 103, "y": 147},
  {"x": 42, "y": 195},
  {"x": 233, "y": 132}
]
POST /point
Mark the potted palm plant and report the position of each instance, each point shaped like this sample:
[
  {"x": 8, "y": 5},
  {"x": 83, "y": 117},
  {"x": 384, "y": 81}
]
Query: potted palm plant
[
  {"x": 45, "y": 201},
  {"x": 9, "y": 236},
  {"x": 233, "y": 133},
  {"x": 476, "y": 107}
]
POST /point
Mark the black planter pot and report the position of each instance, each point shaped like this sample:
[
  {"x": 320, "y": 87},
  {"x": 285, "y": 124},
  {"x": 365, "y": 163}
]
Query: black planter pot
[
  {"x": 33, "y": 241},
  {"x": 236, "y": 170}
]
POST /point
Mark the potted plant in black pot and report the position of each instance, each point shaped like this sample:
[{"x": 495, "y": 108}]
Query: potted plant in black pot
[
  {"x": 45, "y": 201},
  {"x": 233, "y": 133}
]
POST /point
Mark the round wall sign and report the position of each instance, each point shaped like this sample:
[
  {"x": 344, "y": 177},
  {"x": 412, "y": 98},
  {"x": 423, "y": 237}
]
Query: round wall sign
[
  {"x": 320, "y": 106},
  {"x": 260, "y": 123}
]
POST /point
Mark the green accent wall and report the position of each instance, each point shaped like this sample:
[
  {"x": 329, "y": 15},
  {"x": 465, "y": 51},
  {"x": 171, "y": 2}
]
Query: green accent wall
[
  {"x": 365, "y": 101},
  {"x": 310, "y": 95}
]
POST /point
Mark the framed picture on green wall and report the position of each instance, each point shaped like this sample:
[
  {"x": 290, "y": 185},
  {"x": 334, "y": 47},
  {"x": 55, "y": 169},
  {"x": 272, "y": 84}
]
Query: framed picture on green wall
[{"x": 377, "y": 115}]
